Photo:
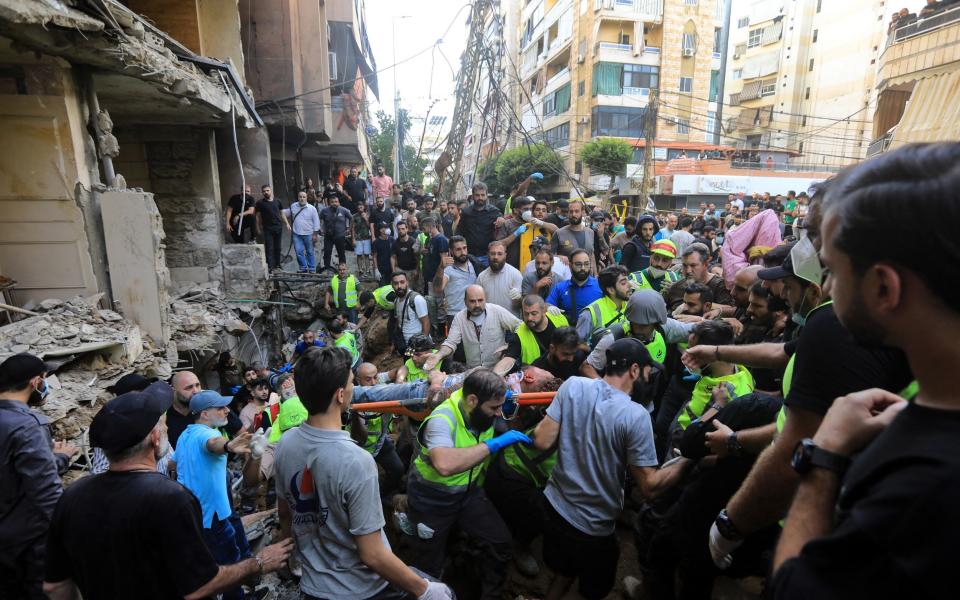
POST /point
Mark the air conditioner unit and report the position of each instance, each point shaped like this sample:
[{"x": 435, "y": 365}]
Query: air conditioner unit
[
  {"x": 583, "y": 120},
  {"x": 332, "y": 59},
  {"x": 580, "y": 59},
  {"x": 688, "y": 52}
]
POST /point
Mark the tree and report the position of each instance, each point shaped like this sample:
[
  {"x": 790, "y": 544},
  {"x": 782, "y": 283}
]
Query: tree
[
  {"x": 382, "y": 145},
  {"x": 512, "y": 166},
  {"x": 607, "y": 156}
]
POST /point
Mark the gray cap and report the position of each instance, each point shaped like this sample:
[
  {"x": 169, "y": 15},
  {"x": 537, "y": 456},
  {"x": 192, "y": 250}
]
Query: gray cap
[{"x": 646, "y": 307}]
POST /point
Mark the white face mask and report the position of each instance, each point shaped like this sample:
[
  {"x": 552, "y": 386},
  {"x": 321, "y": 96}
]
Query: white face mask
[{"x": 527, "y": 216}]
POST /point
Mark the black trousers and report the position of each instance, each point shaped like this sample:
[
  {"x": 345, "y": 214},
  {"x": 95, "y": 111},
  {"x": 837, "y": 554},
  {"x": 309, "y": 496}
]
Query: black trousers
[
  {"x": 21, "y": 572},
  {"x": 328, "y": 243},
  {"x": 476, "y": 516},
  {"x": 246, "y": 231},
  {"x": 518, "y": 501},
  {"x": 393, "y": 470},
  {"x": 271, "y": 246}
]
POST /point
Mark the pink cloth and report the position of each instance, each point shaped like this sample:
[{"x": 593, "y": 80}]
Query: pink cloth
[
  {"x": 382, "y": 186},
  {"x": 761, "y": 230}
]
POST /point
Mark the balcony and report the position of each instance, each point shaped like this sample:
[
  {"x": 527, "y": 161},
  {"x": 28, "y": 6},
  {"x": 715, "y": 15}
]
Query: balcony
[
  {"x": 623, "y": 53},
  {"x": 919, "y": 46},
  {"x": 615, "y": 46},
  {"x": 636, "y": 91},
  {"x": 650, "y": 11}
]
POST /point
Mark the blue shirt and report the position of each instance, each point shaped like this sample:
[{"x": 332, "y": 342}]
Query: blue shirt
[
  {"x": 203, "y": 472},
  {"x": 301, "y": 346},
  {"x": 584, "y": 294}
]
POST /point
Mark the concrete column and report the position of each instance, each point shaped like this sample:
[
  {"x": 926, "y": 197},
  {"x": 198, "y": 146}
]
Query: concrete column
[
  {"x": 254, "y": 146},
  {"x": 135, "y": 252}
]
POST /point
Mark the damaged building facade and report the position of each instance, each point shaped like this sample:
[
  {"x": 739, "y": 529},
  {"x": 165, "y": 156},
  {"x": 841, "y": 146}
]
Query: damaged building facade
[{"x": 128, "y": 126}]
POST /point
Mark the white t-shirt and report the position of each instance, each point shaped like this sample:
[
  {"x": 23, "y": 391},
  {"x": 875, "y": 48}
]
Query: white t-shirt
[
  {"x": 737, "y": 202},
  {"x": 416, "y": 308},
  {"x": 497, "y": 286}
]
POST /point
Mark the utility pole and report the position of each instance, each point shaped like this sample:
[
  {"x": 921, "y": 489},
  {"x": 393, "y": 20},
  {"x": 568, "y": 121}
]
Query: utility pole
[
  {"x": 724, "y": 41},
  {"x": 649, "y": 133}
]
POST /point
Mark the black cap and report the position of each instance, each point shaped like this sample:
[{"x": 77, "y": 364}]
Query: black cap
[
  {"x": 131, "y": 382},
  {"x": 127, "y": 419},
  {"x": 563, "y": 204},
  {"x": 21, "y": 368},
  {"x": 628, "y": 351},
  {"x": 784, "y": 270}
]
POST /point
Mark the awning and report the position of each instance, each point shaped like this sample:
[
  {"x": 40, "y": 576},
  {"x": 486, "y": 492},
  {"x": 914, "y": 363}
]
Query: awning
[
  {"x": 771, "y": 33},
  {"x": 932, "y": 114},
  {"x": 350, "y": 57},
  {"x": 751, "y": 90},
  {"x": 747, "y": 118},
  {"x": 760, "y": 65}
]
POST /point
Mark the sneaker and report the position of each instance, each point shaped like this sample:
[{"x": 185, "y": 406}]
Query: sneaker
[
  {"x": 632, "y": 588},
  {"x": 527, "y": 564}
]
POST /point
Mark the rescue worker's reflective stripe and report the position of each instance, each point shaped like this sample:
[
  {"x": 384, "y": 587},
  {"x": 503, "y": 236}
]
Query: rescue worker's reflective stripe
[
  {"x": 742, "y": 382},
  {"x": 350, "y": 297},
  {"x": 537, "y": 465},
  {"x": 380, "y": 295}
]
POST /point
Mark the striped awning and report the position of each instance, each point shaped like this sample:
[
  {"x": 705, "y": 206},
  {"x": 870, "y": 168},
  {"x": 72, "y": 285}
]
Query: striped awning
[
  {"x": 751, "y": 90},
  {"x": 932, "y": 113}
]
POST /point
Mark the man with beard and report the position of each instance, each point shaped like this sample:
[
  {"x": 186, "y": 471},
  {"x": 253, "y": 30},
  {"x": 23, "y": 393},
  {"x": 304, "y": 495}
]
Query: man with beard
[
  {"x": 445, "y": 486},
  {"x": 501, "y": 281},
  {"x": 886, "y": 521},
  {"x": 578, "y": 292},
  {"x": 606, "y": 314},
  {"x": 132, "y": 532},
  {"x": 600, "y": 433},
  {"x": 564, "y": 355},
  {"x": 534, "y": 334},
  {"x": 743, "y": 282},
  {"x": 658, "y": 273},
  {"x": 575, "y": 235},
  {"x": 543, "y": 279},
  {"x": 185, "y": 384},
  {"x": 410, "y": 312},
  {"x": 764, "y": 321},
  {"x": 382, "y": 183},
  {"x": 821, "y": 364},
  {"x": 477, "y": 221},
  {"x": 259, "y": 394},
  {"x": 336, "y": 222},
  {"x": 453, "y": 279},
  {"x": 201, "y": 467},
  {"x": 696, "y": 269},
  {"x": 381, "y": 216},
  {"x": 355, "y": 190},
  {"x": 636, "y": 252},
  {"x": 620, "y": 239},
  {"x": 29, "y": 480},
  {"x": 482, "y": 329}
]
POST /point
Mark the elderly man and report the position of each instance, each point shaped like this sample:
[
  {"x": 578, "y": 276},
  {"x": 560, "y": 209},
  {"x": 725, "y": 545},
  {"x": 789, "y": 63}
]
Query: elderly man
[
  {"x": 200, "y": 463},
  {"x": 105, "y": 541},
  {"x": 482, "y": 328}
]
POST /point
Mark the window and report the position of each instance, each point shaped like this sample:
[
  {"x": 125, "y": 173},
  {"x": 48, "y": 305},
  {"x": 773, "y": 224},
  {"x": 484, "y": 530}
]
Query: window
[
  {"x": 690, "y": 2},
  {"x": 716, "y": 40},
  {"x": 580, "y": 88},
  {"x": 819, "y": 3},
  {"x": 768, "y": 87},
  {"x": 711, "y": 125},
  {"x": 641, "y": 76},
  {"x": 714, "y": 85},
  {"x": 754, "y": 38},
  {"x": 558, "y": 137},
  {"x": 743, "y": 22},
  {"x": 617, "y": 121},
  {"x": 806, "y": 94},
  {"x": 683, "y": 125},
  {"x": 811, "y": 64},
  {"x": 803, "y": 121},
  {"x": 737, "y": 74},
  {"x": 623, "y": 39},
  {"x": 578, "y": 167},
  {"x": 686, "y": 84},
  {"x": 689, "y": 42},
  {"x": 557, "y": 102},
  {"x": 815, "y": 31}
]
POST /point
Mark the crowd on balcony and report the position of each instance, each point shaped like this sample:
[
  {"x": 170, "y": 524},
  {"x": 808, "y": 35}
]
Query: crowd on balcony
[{"x": 904, "y": 17}]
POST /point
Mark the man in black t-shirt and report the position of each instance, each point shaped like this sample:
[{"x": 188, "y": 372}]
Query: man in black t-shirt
[
  {"x": 240, "y": 216},
  {"x": 354, "y": 191},
  {"x": 564, "y": 355},
  {"x": 270, "y": 223},
  {"x": 875, "y": 513},
  {"x": 404, "y": 251},
  {"x": 380, "y": 215},
  {"x": 132, "y": 532}
]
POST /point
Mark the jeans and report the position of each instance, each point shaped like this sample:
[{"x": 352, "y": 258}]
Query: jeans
[
  {"x": 227, "y": 542},
  {"x": 303, "y": 244},
  {"x": 271, "y": 245},
  {"x": 21, "y": 573},
  {"x": 328, "y": 243}
]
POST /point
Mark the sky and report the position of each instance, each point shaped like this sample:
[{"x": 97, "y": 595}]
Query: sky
[{"x": 425, "y": 22}]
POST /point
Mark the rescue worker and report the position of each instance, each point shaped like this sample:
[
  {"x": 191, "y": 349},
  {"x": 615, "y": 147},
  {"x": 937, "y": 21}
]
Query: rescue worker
[
  {"x": 536, "y": 332},
  {"x": 445, "y": 483},
  {"x": 606, "y": 314},
  {"x": 344, "y": 338},
  {"x": 385, "y": 297},
  {"x": 419, "y": 348},
  {"x": 658, "y": 274},
  {"x": 343, "y": 292}
]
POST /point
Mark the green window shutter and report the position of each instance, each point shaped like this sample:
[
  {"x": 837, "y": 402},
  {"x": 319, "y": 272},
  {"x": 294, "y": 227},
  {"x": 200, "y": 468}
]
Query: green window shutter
[
  {"x": 562, "y": 100},
  {"x": 608, "y": 79},
  {"x": 714, "y": 84}
]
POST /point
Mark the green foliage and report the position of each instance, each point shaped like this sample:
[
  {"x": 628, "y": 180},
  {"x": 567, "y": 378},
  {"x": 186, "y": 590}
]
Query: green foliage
[
  {"x": 512, "y": 166},
  {"x": 382, "y": 143},
  {"x": 607, "y": 156}
]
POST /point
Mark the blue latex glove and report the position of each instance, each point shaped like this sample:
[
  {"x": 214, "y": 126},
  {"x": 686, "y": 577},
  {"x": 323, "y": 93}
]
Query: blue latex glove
[
  {"x": 519, "y": 230},
  {"x": 538, "y": 176},
  {"x": 507, "y": 439}
]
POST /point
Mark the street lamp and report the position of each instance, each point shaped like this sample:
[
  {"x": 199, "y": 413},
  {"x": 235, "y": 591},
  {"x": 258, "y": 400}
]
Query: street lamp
[{"x": 396, "y": 102}]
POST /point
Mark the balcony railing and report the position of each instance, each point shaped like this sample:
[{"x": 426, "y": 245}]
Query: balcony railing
[
  {"x": 880, "y": 144},
  {"x": 558, "y": 75},
  {"x": 636, "y": 91},
  {"x": 923, "y": 25},
  {"x": 614, "y": 46},
  {"x": 648, "y": 8}
]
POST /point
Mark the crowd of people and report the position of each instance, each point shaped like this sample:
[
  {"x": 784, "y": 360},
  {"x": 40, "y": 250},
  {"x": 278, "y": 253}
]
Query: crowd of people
[{"x": 762, "y": 389}]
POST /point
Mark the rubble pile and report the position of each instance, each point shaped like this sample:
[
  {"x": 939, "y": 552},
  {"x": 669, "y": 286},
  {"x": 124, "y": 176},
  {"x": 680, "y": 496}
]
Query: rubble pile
[{"x": 199, "y": 315}]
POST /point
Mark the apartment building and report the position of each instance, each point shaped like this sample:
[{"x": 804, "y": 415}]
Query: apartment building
[
  {"x": 592, "y": 68},
  {"x": 312, "y": 70},
  {"x": 800, "y": 80},
  {"x": 918, "y": 83}
]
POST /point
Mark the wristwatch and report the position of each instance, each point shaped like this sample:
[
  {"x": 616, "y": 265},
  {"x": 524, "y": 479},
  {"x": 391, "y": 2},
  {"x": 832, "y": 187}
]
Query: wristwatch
[
  {"x": 733, "y": 444},
  {"x": 808, "y": 455},
  {"x": 726, "y": 527}
]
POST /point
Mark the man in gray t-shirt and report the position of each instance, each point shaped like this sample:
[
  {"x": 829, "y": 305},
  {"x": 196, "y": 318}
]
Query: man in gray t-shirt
[
  {"x": 600, "y": 433},
  {"x": 328, "y": 497}
]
